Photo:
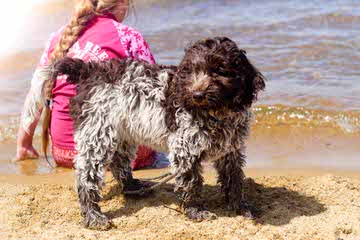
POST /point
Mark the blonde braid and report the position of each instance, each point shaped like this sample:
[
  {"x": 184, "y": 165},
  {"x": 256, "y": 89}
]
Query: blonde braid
[
  {"x": 85, "y": 11},
  {"x": 69, "y": 36}
]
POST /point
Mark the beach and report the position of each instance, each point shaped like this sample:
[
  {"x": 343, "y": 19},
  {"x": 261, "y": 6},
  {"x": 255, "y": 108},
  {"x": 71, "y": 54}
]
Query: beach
[
  {"x": 294, "y": 197},
  {"x": 324, "y": 206},
  {"x": 302, "y": 157}
]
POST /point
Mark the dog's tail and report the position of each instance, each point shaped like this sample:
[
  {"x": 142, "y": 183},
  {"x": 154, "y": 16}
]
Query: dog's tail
[
  {"x": 35, "y": 100},
  {"x": 42, "y": 83},
  {"x": 75, "y": 69}
]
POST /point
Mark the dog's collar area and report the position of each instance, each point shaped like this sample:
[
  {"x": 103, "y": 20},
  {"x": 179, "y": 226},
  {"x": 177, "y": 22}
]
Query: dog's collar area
[
  {"x": 214, "y": 122},
  {"x": 213, "y": 116},
  {"x": 214, "y": 119}
]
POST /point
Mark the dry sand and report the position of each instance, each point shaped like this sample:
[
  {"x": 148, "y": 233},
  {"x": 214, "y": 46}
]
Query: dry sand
[{"x": 285, "y": 207}]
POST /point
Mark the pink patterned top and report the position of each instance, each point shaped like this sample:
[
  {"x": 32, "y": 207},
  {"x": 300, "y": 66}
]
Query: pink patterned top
[{"x": 104, "y": 38}]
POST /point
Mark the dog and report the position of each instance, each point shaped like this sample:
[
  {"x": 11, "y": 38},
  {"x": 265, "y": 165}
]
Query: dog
[{"x": 197, "y": 111}]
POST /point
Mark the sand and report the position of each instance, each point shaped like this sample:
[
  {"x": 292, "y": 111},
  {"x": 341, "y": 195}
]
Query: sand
[
  {"x": 292, "y": 186},
  {"x": 324, "y": 206}
]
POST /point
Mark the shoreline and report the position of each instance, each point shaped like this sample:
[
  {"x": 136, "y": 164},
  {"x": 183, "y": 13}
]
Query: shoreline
[
  {"x": 277, "y": 148},
  {"x": 66, "y": 177}
]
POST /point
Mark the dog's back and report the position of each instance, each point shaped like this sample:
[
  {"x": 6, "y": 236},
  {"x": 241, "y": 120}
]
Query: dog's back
[{"x": 122, "y": 94}]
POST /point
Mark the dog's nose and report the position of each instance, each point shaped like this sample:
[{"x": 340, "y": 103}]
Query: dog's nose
[{"x": 198, "y": 95}]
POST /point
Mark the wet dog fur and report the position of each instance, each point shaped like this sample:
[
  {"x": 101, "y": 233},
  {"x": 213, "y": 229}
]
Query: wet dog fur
[{"x": 198, "y": 111}]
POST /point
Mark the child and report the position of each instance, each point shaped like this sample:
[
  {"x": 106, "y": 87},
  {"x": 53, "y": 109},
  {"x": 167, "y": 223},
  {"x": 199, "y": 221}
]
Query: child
[{"x": 95, "y": 32}]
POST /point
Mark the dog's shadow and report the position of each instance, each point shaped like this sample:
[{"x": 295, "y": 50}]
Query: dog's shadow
[{"x": 268, "y": 205}]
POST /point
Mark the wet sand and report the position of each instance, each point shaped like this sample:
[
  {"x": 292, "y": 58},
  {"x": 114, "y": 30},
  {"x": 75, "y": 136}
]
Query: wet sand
[
  {"x": 286, "y": 205},
  {"x": 274, "y": 147}
]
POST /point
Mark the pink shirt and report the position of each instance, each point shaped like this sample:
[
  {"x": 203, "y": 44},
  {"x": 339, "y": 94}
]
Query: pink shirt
[{"x": 104, "y": 38}]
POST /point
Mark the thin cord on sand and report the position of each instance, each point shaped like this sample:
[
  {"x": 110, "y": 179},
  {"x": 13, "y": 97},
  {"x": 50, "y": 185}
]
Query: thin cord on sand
[
  {"x": 145, "y": 190},
  {"x": 156, "y": 178}
]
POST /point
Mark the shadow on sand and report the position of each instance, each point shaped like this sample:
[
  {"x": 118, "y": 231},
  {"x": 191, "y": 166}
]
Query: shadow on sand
[{"x": 269, "y": 205}]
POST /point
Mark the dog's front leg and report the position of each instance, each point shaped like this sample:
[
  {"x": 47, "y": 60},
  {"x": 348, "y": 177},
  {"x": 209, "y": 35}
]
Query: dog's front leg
[
  {"x": 231, "y": 177},
  {"x": 187, "y": 149},
  {"x": 189, "y": 183}
]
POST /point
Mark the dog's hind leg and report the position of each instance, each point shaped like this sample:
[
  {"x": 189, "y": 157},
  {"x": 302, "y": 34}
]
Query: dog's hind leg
[
  {"x": 231, "y": 177},
  {"x": 120, "y": 167},
  {"x": 89, "y": 178},
  {"x": 95, "y": 150}
]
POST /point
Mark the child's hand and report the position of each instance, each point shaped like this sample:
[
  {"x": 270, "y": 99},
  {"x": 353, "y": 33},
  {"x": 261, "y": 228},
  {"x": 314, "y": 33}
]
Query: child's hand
[
  {"x": 25, "y": 149},
  {"x": 26, "y": 153}
]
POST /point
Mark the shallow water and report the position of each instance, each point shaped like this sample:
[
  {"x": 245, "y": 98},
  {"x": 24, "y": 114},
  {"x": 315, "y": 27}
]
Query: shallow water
[{"x": 308, "y": 51}]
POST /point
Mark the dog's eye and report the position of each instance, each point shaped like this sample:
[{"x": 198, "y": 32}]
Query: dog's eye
[
  {"x": 185, "y": 70},
  {"x": 224, "y": 81},
  {"x": 217, "y": 81}
]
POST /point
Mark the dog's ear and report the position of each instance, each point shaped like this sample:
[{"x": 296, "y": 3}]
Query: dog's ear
[{"x": 252, "y": 82}]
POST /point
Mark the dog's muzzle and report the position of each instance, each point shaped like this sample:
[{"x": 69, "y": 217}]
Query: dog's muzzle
[{"x": 198, "y": 96}]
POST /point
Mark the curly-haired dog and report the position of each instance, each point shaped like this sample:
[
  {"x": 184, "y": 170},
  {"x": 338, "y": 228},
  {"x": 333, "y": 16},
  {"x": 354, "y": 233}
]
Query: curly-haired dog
[{"x": 198, "y": 111}]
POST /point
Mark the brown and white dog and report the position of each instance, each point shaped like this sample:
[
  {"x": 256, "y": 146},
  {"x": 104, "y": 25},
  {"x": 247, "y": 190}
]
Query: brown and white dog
[{"x": 198, "y": 111}]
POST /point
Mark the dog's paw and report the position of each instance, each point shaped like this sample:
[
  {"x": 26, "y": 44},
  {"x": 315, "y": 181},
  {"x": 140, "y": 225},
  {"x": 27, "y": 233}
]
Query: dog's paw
[
  {"x": 97, "y": 221},
  {"x": 241, "y": 208},
  {"x": 199, "y": 215},
  {"x": 133, "y": 185}
]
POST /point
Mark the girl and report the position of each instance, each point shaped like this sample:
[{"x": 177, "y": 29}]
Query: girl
[{"x": 95, "y": 32}]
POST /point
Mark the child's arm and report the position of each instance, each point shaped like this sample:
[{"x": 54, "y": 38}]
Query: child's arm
[
  {"x": 24, "y": 143},
  {"x": 32, "y": 109}
]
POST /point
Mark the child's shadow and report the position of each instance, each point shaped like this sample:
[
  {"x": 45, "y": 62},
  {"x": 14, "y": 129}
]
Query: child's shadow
[{"x": 268, "y": 205}]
